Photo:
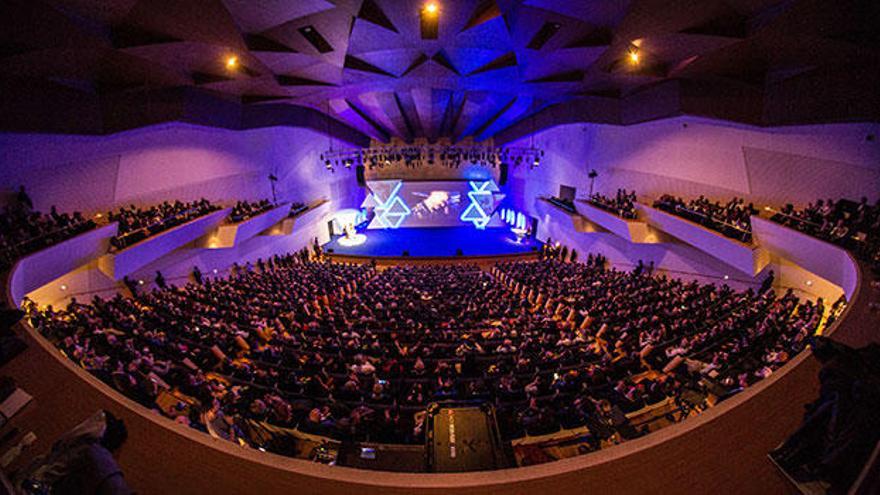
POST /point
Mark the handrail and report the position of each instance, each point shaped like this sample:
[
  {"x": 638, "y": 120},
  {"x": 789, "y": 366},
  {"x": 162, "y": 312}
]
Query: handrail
[
  {"x": 798, "y": 219},
  {"x": 553, "y": 200}
]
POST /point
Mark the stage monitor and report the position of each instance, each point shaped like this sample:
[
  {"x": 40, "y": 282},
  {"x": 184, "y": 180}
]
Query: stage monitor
[{"x": 405, "y": 204}]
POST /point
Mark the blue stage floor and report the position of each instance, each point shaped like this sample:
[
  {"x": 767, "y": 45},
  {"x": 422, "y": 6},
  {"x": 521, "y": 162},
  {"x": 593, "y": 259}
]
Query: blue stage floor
[{"x": 436, "y": 242}]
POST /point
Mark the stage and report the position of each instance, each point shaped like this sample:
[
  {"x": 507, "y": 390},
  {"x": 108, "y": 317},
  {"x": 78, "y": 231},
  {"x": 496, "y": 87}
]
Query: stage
[{"x": 434, "y": 242}]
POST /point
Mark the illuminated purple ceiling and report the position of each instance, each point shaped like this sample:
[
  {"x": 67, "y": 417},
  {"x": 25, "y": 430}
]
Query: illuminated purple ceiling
[{"x": 494, "y": 62}]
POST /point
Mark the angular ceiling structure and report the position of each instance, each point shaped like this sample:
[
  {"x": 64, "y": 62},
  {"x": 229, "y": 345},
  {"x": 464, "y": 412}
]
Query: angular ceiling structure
[{"x": 390, "y": 69}]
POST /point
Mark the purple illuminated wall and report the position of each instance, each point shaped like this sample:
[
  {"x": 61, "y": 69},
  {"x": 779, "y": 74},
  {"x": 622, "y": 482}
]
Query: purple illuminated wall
[
  {"x": 692, "y": 156},
  {"x": 171, "y": 161}
]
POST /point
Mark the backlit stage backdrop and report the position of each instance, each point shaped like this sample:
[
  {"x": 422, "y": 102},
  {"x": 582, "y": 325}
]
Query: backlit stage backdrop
[{"x": 404, "y": 204}]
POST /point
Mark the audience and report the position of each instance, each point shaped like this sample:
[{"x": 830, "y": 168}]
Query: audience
[
  {"x": 732, "y": 219},
  {"x": 137, "y": 224},
  {"x": 24, "y": 231},
  {"x": 244, "y": 210},
  {"x": 355, "y": 352},
  {"x": 623, "y": 204},
  {"x": 855, "y": 226},
  {"x": 352, "y": 352}
]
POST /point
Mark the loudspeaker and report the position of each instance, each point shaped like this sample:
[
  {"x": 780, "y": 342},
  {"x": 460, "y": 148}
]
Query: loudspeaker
[
  {"x": 362, "y": 181},
  {"x": 502, "y": 176}
]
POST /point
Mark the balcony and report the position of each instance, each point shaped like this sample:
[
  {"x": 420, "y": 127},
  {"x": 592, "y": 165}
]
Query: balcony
[
  {"x": 230, "y": 235},
  {"x": 310, "y": 214},
  {"x": 121, "y": 263},
  {"x": 828, "y": 262},
  {"x": 41, "y": 268},
  {"x": 551, "y": 212},
  {"x": 635, "y": 231},
  {"x": 747, "y": 258}
]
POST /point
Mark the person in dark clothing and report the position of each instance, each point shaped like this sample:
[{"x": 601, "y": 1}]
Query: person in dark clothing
[
  {"x": 767, "y": 284},
  {"x": 160, "y": 280},
  {"x": 23, "y": 198},
  {"x": 197, "y": 275},
  {"x": 132, "y": 285}
]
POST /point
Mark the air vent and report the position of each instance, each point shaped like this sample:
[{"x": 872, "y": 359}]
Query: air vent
[
  {"x": 504, "y": 61},
  {"x": 570, "y": 76},
  {"x": 355, "y": 63},
  {"x": 443, "y": 59},
  {"x": 300, "y": 81},
  {"x": 596, "y": 38},
  {"x": 253, "y": 99},
  {"x": 547, "y": 31},
  {"x": 421, "y": 59},
  {"x": 205, "y": 78},
  {"x": 732, "y": 26},
  {"x": 314, "y": 37},
  {"x": 602, "y": 93},
  {"x": 258, "y": 43},
  {"x": 369, "y": 120},
  {"x": 485, "y": 12},
  {"x": 125, "y": 36},
  {"x": 373, "y": 13}
]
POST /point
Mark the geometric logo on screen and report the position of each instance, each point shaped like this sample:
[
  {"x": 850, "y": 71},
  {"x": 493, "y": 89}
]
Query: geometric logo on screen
[
  {"x": 414, "y": 204},
  {"x": 484, "y": 198},
  {"x": 390, "y": 210}
]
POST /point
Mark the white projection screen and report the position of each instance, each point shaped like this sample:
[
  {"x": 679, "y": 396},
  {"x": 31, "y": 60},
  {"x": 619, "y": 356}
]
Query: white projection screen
[{"x": 409, "y": 204}]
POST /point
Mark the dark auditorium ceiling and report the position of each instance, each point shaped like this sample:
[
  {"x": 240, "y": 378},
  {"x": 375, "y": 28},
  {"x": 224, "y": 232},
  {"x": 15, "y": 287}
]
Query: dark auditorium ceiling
[{"x": 372, "y": 65}]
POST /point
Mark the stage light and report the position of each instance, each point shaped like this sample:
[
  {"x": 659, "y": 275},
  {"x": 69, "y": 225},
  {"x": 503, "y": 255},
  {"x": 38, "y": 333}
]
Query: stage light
[
  {"x": 432, "y": 8},
  {"x": 231, "y": 62},
  {"x": 63, "y": 287},
  {"x": 809, "y": 283}
]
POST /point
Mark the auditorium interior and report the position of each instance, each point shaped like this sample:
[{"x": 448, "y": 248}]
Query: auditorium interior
[{"x": 439, "y": 247}]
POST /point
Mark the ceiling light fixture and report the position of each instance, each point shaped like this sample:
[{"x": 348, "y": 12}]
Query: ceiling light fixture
[{"x": 634, "y": 55}]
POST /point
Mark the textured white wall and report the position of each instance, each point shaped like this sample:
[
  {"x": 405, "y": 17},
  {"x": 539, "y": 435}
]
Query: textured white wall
[
  {"x": 169, "y": 161},
  {"x": 690, "y": 156}
]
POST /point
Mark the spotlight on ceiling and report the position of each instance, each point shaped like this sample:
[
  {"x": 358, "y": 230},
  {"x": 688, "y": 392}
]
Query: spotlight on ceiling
[
  {"x": 432, "y": 8},
  {"x": 231, "y": 62},
  {"x": 634, "y": 55}
]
